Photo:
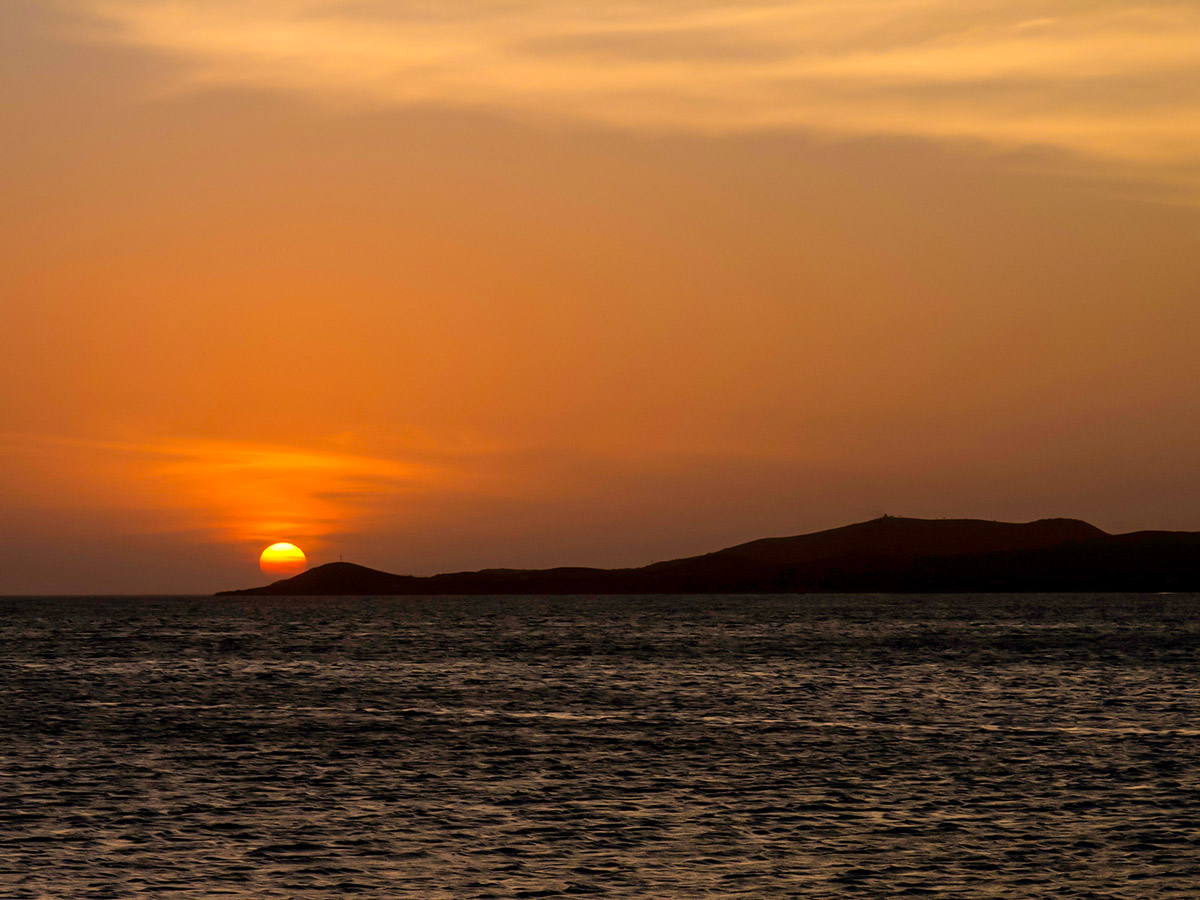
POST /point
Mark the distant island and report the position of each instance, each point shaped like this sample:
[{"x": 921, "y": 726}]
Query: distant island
[{"x": 889, "y": 554}]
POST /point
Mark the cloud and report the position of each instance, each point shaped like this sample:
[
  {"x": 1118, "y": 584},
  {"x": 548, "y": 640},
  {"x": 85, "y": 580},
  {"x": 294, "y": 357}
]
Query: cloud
[
  {"x": 878, "y": 67},
  {"x": 236, "y": 491}
]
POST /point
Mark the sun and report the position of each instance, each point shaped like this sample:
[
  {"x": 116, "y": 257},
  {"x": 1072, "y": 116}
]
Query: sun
[{"x": 282, "y": 559}]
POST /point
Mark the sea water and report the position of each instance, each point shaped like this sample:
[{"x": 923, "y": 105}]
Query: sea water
[{"x": 648, "y": 747}]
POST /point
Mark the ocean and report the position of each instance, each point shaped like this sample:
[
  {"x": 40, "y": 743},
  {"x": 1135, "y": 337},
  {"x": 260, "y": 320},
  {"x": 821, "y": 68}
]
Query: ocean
[{"x": 619, "y": 747}]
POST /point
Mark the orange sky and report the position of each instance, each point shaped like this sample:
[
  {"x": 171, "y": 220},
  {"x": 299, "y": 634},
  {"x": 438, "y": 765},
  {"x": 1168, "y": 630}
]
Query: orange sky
[{"x": 463, "y": 284}]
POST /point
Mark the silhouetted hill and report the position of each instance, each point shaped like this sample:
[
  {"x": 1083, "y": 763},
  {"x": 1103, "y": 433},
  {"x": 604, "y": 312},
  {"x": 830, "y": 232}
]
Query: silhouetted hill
[
  {"x": 884, "y": 555},
  {"x": 342, "y": 578}
]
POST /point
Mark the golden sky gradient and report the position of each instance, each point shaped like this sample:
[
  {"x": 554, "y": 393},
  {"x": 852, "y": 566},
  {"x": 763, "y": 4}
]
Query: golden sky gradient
[{"x": 463, "y": 284}]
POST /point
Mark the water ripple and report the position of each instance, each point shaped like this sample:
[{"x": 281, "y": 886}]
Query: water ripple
[{"x": 659, "y": 747}]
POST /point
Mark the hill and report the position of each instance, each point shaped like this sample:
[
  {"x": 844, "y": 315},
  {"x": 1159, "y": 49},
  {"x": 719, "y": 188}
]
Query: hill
[{"x": 883, "y": 555}]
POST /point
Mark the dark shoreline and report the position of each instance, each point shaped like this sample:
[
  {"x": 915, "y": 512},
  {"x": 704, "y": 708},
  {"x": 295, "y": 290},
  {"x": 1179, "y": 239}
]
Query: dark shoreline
[{"x": 887, "y": 555}]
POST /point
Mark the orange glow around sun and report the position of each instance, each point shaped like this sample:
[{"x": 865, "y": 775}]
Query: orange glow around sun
[{"x": 282, "y": 559}]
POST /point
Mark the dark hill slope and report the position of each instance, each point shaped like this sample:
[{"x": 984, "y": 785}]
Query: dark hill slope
[
  {"x": 340, "y": 578},
  {"x": 898, "y": 538},
  {"x": 887, "y": 554},
  {"x": 872, "y": 555}
]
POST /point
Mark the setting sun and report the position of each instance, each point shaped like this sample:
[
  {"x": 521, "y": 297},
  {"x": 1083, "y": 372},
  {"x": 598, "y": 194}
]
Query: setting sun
[{"x": 282, "y": 559}]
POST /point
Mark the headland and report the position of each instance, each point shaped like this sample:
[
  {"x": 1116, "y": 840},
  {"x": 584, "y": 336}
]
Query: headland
[{"x": 885, "y": 555}]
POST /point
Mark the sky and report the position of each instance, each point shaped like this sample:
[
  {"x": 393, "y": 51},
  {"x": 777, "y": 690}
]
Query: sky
[{"x": 434, "y": 286}]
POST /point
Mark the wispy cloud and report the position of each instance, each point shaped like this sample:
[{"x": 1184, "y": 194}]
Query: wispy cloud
[
  {"x": 1100, "y": 79},
  {"x": 232, "y": 490}
]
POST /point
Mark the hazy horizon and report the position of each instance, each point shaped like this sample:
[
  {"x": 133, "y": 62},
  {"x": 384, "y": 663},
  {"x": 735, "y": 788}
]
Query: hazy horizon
[{"x": 452, "y": 286}]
